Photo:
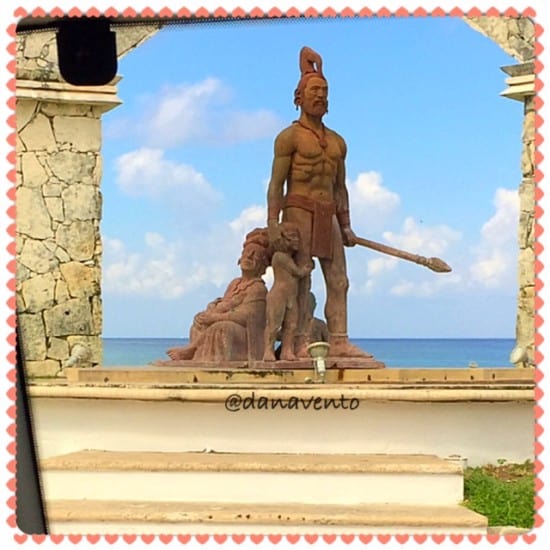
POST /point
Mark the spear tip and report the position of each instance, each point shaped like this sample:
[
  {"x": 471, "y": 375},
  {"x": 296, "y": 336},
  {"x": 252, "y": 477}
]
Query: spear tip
[{"x": 438, "y": 265}]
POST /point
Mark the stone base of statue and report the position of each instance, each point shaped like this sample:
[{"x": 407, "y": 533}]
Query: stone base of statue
[
  {"x": 234, "y": 373},
  {"x": 338, "y": 370},
  {"x": 332, "y": 363}
]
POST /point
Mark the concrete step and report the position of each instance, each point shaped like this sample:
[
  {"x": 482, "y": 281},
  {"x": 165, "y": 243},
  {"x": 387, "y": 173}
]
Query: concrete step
[
  {"x": 101, "y": 517},
  {"x": 332, "y": 479}
]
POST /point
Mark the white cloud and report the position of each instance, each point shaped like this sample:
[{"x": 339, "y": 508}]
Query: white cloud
[
  {"x": 428, "y": 241},
  {"x": 367, "y": 287},
  {"x": 250, "y": 218},
  {"x": 491, "y": 268},
  {"x": 171, "y": 269},
  {"x": 403, "y": 288},
  {"x": 242, "y": 126},
  {"x": 370, "y": 202},
  {"x": 494, "y": 263},
  {"x": 268, "y": 277},
  {"x": 379, "y": 265},
  {"x": 179, "y": 112},
  {"x": 154, "y": 240},
  {"x": 150, "y": 273},
  {"x": 146, "y": 172},
  {"x": 202, "y": 112},
  {"x": 159, "y": 269},
  {"x": 497, "y": 252},
  {"x": 502, "y": 226},
  {"x": 377, "y": 270},
  {"x": 422, "y": 239},
  {"x": 426, "y": 287},
  {"x": 368, "y": 190}
]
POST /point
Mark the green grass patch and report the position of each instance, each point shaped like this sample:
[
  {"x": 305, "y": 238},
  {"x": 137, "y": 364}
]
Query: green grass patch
[{"x": 503, "y": 493}]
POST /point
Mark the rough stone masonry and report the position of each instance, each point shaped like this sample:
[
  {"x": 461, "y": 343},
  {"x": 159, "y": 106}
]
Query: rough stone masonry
[{"x": 58, "y": 205}]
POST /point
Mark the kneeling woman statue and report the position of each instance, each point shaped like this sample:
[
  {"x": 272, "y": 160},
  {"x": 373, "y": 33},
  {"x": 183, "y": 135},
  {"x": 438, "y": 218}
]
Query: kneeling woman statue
[{"x": 231, "y": 328}]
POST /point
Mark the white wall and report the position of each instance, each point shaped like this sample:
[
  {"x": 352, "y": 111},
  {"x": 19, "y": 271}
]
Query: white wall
[{"x": 481, "y": 431}]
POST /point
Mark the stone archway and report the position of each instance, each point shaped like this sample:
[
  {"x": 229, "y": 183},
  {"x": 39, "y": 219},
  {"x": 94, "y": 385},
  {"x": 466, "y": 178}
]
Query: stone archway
[{"x": 59, "y": 199}]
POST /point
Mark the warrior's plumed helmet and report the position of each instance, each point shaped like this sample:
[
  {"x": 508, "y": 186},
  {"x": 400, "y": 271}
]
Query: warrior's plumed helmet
[{"x": 311, "y": 65}]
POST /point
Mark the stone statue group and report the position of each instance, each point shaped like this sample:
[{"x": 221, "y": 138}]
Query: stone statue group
[{"x": 308, "y": 216}]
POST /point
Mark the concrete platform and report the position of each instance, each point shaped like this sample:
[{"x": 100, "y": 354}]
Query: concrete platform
[{"x": 232, "y": 518}]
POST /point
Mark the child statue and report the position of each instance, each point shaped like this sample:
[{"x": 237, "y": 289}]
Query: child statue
[{"x": 281, "y": 305}]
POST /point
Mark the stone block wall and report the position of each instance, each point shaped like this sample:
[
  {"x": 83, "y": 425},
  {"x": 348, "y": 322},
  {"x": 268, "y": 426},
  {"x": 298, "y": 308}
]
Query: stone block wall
[
  {"x": 58, "y": 206},
  {"x": 515, "y": 35},
  {"x": 525, "y": 323}
]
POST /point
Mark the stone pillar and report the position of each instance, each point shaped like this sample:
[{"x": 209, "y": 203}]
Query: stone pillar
[
  {"x": 516, "y": 35},
  {"x": 525, "y": 327},
  {"x": 58, "y": 206}
]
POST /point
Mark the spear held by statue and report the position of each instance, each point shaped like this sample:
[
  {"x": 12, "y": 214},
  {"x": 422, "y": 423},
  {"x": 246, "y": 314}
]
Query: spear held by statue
[{"x": 435, "y": 264}]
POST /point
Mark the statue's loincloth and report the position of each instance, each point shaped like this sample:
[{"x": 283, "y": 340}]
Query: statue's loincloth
[{"x": 321, "y": 230}]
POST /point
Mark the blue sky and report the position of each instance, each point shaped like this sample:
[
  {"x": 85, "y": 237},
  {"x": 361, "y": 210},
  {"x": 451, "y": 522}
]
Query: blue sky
[{"x": 433, "y": 167}]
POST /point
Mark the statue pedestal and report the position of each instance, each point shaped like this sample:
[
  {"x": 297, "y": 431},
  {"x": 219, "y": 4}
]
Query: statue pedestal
[
  {"x": 259, "y": 451},
  {"x": 358, "y": 457}
]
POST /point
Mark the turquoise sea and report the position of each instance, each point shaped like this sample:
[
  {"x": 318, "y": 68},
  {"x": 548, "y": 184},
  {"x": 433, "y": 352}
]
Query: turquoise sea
[{"x": 395, "y": 352}]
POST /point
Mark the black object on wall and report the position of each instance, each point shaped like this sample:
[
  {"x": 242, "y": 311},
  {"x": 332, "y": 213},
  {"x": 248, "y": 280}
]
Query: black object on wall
[{"x": 86, "y": 51}]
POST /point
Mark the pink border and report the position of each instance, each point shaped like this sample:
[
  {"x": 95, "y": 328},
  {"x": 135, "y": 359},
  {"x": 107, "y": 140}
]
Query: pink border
[{"x": 220, "y": 12}]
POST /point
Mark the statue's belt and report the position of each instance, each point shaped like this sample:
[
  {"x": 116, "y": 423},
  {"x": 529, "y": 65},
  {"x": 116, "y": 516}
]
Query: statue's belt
[{"x": 321, "y": 231}]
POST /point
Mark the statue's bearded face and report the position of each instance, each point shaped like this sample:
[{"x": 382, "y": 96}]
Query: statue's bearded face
[{"x": 314, "y": 99}]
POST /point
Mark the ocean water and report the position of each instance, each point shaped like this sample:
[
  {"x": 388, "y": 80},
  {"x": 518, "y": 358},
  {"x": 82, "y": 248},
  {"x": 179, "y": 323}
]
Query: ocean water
[{"x": 394, "y": 352}]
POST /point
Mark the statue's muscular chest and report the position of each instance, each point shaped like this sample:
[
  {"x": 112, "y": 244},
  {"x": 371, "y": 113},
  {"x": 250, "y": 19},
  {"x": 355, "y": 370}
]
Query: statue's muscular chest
[{"x": 316, "y": 148}]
